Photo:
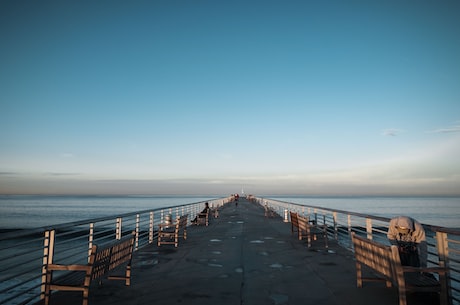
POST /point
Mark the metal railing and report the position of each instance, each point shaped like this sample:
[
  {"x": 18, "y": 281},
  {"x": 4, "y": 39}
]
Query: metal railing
[
  {"x": 25, "y": 253},
  {"x": 443, "y": 243}
]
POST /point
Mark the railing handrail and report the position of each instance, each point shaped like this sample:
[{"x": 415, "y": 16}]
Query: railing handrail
[
  {"x": 39, "y": 230},
  {"x": 433, "y": 228}
]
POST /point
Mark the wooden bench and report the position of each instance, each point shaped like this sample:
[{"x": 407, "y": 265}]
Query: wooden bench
[
  {"x": 169, "y": 234},
  {"x": 385, "y": 262},
  {"x": 203, "y": 218},
  {"x": 102, "y": 263},
  {"x": 304, "y": 227},
  {"x": 215, "y": 212},
  {"x": 269, "y": 212}
]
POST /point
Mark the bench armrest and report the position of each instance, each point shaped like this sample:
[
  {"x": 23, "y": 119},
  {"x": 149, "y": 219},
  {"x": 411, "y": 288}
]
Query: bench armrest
[
  {"x": 439, "y": 270},
  {"x": 56, "y": 267}
]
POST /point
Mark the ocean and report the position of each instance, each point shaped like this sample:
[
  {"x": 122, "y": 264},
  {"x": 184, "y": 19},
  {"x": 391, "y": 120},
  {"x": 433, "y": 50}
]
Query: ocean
[
  {"x": 437, "y": 211},
  {"x": 21, "y": 212},
  {"x": 26, "y": 212}
]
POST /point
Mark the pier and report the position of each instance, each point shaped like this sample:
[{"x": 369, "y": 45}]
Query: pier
[{"x": 242, "y": 257}]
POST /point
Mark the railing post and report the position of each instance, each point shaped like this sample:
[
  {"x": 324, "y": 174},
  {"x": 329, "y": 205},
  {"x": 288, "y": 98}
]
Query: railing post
[
  {"x": 118, "y": 228},
  {"x": 151, "y": 228},
  {"x": 349, "y": 223},
  {"x": 136, "y": 247},
  {"x": 90, "y": 239},
  {"x": 442, "y": 245},
  {"x": 369, "y": 228},
  {"x": 336, "y": 234},
  {"x": 48, "y": 251}
]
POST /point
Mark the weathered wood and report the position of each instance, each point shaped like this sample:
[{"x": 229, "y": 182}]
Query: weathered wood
[
  {"x": 103, "y": 261},
  {"x": 294, "y": 222},
  {"x": 307, "y": 229},
  {"x": 385, "y": 262},
  {"x": 170, "y": 234}
]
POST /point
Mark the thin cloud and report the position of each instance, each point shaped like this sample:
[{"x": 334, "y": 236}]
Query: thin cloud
[
  {"x": 391, "y": 132},
  {"x": 67, "y": 155},
  {"x": 8, "y": 174},
  {"x": 61, "y": 174},
  {"x": 451, "y": 129}
]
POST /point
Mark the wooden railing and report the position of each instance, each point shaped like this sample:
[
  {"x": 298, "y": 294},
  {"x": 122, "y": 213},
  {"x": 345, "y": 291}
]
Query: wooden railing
[
  {"x": 443, "y": 243},
  {"x": 25, "y": 253}
]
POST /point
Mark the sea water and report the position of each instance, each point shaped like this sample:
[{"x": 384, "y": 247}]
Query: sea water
[
  {"x": 25, "y": 212},
  {"x": 19, "y": 212},
  {"x": 437, "y": 211}
]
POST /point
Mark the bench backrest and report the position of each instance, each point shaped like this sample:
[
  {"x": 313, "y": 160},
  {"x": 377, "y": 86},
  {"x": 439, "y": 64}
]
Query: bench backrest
[
  {"x": 294, "y": 219},
  {"x": 303, "y": 223},
  {"x": 112, "y": 255},
  {"x": 381, "y": 258},
  {"x": 101, "y": 261},
  {"x": 122, "y": 252},
  {"x": 181, "y": 222}
]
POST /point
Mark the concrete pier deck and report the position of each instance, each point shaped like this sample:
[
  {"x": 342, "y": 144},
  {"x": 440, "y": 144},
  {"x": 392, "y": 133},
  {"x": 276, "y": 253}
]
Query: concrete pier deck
[{"x": 242, "y": 257}]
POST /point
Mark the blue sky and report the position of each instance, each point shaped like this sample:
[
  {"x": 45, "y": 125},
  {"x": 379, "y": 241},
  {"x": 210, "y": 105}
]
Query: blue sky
[{"x": 209, "y": 97}]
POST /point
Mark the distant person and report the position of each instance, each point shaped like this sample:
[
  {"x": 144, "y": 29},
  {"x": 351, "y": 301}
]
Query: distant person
[
  {"x": 205, "y": 211},
  {"x": 409, "y": 235},
  {"x": 206, "y": 208}
]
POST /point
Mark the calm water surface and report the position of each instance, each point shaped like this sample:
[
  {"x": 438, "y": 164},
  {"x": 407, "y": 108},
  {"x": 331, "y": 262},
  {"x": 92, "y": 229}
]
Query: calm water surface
[
  {"x": 438, "y": 211},
  {"x": 38, "y": 211}
]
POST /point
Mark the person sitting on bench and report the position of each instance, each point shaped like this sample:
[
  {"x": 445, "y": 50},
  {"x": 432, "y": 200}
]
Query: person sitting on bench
[
  {"x": 206, "y": 210},
  {"x": 409, "y": 235}
]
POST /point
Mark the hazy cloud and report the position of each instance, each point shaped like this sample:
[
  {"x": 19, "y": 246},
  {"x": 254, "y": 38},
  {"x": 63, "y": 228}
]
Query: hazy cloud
[
  {"x": 61, "y": 174},
  {"x": 391, "y": 132},
  {"x": 451, "y": 129},
  {"x": 67, "y": 155},
  {"x": 8, "y": 173}
]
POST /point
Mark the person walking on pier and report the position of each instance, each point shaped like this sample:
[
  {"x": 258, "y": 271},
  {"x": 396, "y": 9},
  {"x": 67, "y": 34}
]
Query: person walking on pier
[{"x": 409, "y": 235}]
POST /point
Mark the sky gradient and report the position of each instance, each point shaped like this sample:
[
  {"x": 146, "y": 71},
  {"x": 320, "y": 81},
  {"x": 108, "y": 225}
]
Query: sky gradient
[{"x": 209, "y": 97}]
